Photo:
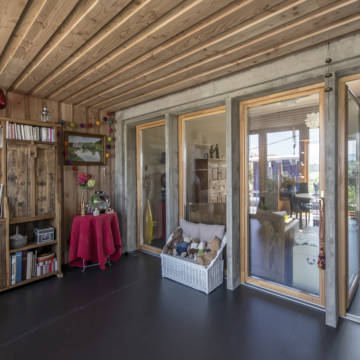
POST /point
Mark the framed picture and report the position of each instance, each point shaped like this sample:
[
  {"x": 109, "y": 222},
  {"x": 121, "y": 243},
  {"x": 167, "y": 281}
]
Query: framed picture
[{"x": 84, "y": 149}]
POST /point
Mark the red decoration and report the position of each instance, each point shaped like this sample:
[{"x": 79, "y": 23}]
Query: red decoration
[
  {"x": 3, "y": 101},
  {"x": 65, "y": 152},
  {"x": 108, "y": 113},
  {"x": 111, "y": 130},
  {"x": 75, "y": 168},
  {"x": 90, "y": 125}
]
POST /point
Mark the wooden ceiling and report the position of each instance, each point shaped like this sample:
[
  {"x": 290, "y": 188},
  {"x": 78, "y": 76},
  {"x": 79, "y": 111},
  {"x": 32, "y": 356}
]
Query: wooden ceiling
[{"x": 112, "y": 54}]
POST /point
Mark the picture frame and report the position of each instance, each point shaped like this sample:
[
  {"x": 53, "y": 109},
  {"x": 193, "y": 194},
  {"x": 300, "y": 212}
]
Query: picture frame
[{"x": 84, "y": 149}]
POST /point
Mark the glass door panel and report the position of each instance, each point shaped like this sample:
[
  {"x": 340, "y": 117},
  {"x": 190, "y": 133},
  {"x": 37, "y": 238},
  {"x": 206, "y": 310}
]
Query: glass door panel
[
  {"x": 353, "y": 195},
  {"x": 283, "y": 170},
  {"x": 151, "y": 184}
]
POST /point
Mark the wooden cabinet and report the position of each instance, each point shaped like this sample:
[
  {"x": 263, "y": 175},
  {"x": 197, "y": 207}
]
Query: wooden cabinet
[
  {"x": 30, "y": 173},
  {"x": 31, "y": 179},
  {"x": 211, "y": 180}
]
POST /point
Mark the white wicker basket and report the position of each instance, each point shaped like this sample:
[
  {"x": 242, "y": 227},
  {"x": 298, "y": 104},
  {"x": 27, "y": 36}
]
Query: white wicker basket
[{"x": 203, "y": 278}]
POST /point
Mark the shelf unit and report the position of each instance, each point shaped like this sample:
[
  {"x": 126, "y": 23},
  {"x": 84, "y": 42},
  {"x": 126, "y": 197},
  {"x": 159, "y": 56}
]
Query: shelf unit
[{"x": 31, "y": 174}]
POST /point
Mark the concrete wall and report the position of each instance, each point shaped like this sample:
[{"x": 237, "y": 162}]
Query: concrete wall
[{"x": 305, "y": 68}]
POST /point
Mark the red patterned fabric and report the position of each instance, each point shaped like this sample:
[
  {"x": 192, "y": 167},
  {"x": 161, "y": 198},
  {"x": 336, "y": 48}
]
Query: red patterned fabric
[{"x": 94, "y": 238}]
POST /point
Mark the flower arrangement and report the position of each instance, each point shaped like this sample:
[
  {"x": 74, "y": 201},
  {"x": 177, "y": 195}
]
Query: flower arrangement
[{"x": 85, "y": 180}]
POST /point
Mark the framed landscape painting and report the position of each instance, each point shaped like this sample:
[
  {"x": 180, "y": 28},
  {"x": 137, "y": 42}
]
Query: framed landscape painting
[{"x": 84, "y": 149}]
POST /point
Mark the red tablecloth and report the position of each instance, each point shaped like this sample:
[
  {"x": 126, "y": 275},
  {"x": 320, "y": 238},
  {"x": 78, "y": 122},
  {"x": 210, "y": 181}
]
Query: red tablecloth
[{"x": 94, "y": 238}]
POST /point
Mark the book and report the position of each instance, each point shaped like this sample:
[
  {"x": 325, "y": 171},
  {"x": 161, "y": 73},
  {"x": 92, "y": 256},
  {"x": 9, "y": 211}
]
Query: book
[
  {"x": 13, "y": 269},
  {"x": 29, "y": 265},
  {"x": 23, "y": 265},
  {"x": 18, "y": 266}
]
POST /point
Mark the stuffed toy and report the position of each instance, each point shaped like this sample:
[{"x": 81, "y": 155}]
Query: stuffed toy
[
  {"x": 182, "y": 247},
  {"x": 170, "y": 248},
  {"x": 201, "y": 248},
  {"x": 194, "y": 248},
  {"x": 211, "y": 250}
]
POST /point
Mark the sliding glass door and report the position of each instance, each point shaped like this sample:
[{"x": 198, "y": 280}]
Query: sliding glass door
[
  {"x": 349, "y": 195},
  {"x": 281, "y": 140},
  {"x": 151, "y": 186},
  {"x": 202, "y": 166}
]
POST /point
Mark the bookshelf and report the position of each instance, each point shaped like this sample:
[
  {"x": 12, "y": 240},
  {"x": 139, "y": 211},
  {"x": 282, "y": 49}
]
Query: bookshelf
[{"x": 31, "y": 173}]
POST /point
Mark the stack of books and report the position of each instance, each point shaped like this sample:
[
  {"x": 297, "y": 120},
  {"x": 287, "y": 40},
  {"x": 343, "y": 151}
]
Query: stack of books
[
  {"x": 28, "y": 132},
  {"x": 28, "y": 264}
]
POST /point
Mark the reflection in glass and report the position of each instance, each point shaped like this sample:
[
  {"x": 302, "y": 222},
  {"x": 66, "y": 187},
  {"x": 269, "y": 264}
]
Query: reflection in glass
[
  {"x": 205, "y": 169},
  {"x": 353, "y": 193},
  {"x": 152, "y": 187},
  {"x": 284, "y": 180}
]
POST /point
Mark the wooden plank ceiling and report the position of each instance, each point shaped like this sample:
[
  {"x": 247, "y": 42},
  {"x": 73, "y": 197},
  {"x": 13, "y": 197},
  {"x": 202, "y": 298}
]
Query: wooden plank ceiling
[{"x": 112, "y": 54}]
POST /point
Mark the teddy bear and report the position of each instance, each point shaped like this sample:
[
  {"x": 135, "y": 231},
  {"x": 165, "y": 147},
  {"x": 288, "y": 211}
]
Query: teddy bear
[
  {"x": 194, "y": 248},
  {"x": 182, "y": 247},
  {"x": 170, "y": 247},
  {"x": 210, "y": 252}
]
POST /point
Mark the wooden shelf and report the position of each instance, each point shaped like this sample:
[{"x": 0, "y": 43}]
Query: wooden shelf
[
  {"x": 2, "y": 220},
  {"x": 36, "y": 278},
  {"x": 20, "y": 220},
  {"x": 16, "y": 141},
  {"x": 33, "y": 246},
  {"x": 30, "y": 122}
]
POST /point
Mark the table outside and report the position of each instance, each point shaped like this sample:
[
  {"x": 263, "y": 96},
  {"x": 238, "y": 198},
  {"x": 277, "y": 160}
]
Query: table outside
[
  {"x": 94, "y": 239},
  {"x": 314, "y": 200}
]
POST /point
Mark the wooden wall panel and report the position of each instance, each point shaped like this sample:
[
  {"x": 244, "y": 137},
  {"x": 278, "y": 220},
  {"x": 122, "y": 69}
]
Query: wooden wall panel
[{"x": 28, "y": 107}]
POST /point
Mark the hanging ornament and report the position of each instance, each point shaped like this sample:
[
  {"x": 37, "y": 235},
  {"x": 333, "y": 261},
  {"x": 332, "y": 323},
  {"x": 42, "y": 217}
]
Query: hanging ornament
[
  {"x": 97, "y": 123},
  {"x": 109, "y": 139},
  {"x": 72, "y": 125},
  {"x": 111, "y": 130},
  {"x": 3, "y": 101},
  {"x": 82, "y": 125},
  {"x": 90, "y": 125},
  {"x": 107, "y": 155},
  {"x": 108, "y": 146},
  {"x": 58, "y": 133},
  {"x": 62, "y": 122},
  {"x": 66, "y": 143},
  {"x": 68, "y": 162},
  {"x": 111, "y": 121},
  {"x": 65, "y": 152},
  {"x": 105, "y": 118},
  {"x": 75, "y": 168},
  {"x": 108, "y": 113}
]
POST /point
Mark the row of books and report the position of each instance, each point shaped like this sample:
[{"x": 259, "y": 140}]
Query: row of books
[
  {"x": 28, "y": 264},
  {"x": 29, "y": 132}
]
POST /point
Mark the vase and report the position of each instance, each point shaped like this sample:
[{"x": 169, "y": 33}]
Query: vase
[
  {"x": 148, "y": 224},
  {"x": 82, "y": 203}
]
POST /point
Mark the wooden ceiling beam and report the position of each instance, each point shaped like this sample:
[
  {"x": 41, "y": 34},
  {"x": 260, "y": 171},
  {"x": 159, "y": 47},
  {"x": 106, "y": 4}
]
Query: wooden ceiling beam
[
  {"x": 87, "y": 18},
  {"x": 272, "y": 38},
  {"x": 254, "y": 29},
  {"x": 234, "y": 16},
  {"x": 329, "y": 33},
  {"x": 139, "y": 15},
  {"x": 175, "y": 21},
  {"x": 10, "y": 15},
  {"x": 40, "y": 20}
]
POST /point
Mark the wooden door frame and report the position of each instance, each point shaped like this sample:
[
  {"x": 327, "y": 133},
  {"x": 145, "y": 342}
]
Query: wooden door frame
[
  {"x": 181, "y": 125},
  {"x": 345, "y": 294},
  {"x": 244, "y": 243},
  {"x": 139, "y": 129}
]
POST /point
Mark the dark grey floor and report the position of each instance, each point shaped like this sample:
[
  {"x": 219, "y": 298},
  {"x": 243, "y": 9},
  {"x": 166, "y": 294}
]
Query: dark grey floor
[
  {"x": 354, "y": 308},
  {"x": 129, "y": 312}
]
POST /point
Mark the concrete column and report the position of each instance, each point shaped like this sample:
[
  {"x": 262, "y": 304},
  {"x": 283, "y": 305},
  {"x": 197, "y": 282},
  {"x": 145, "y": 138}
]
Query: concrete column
[
  {"x": 172, "y": 173},
  {"x": 331, "y": 119},
  {"x": 130, "y": 191},
  {"x": 233, "y": 193}
]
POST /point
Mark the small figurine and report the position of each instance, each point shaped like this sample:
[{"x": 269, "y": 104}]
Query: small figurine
[
  {"x": 217, "y": 151},
  {"x": 211, "y": 151},
  {"x": 45, "y": 114}
]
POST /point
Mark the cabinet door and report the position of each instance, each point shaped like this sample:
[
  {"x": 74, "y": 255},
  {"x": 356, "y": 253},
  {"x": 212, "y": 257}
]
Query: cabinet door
[
  {"x": 19, "y": 180},
  {"x": 45, "y": 183}
]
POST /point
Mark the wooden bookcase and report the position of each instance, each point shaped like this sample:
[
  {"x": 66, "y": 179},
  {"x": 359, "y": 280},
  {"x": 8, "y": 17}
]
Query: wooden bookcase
[{"x": 31, "y": 174}]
